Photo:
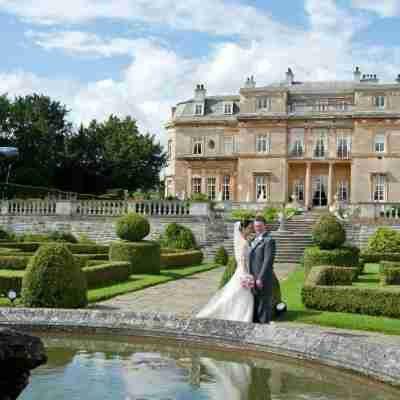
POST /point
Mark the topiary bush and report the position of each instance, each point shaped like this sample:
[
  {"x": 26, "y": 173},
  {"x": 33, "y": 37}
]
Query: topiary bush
[
  {"x": 343, "y": 257},
  {"x": 132, "y": 227},
  {"x": 144, "y": 256},
  {"x": 328, "y": 233},
  {"x": 221, "y": 257},
  {"x": 178, "y": 237},
  {"x": 59, "y": 236},
  {"x": 276, "y": 288},
  {"x": 53, "y": 279},
  {"x": 107, "y": 273},
  {"x": 181, "y": 259},
  {"x": 384, "y": 240}
]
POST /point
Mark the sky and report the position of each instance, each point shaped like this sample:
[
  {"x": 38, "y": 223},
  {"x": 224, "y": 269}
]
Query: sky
[{"x": 140, "y": 57}]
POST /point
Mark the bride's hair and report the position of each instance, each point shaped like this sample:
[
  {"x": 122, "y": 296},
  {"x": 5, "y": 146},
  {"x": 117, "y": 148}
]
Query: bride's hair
[{"x": 244, "y": 224}]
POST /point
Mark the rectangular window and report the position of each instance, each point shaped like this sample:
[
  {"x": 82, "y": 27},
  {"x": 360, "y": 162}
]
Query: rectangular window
[
  {"x": 228, "y": 145},
  {"x": 198, "y": 110},
  {"x": 343, "y": 190},
  {"x": 228, "y": 108},
  {"x": 198, "y": 146},
  {"x": 262, "y": 192},
  {"x": 196, "y": 185},
  {"x": 299, "y": 189},
  {"x": 343, "y": 147},
  {"x": 320, "y": 145},
  {"x": 379, "y": 143},
  {"x": 169, "y": 154},
  {"x": 379, "y": 187},
  {"x": 263, "y": 103},
  {"x": 211, "y": 186},
  {"x": 296, "y": 143},
  {"x": 263, "y": 144},
  {"x": 226, "y": 188},
  {"x": 379, "y": 101}
]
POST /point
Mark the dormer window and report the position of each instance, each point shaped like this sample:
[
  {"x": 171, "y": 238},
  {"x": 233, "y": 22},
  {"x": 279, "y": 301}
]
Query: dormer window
[
  {"x": 199, "y": 109},
  {"x": 263, "y": 103},
  {"x": 379, "y": 101},
  {"x": 228, "y": 108}
]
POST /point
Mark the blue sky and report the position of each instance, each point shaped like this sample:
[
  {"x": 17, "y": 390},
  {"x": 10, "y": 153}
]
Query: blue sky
[{"x": 139, "y": 58}]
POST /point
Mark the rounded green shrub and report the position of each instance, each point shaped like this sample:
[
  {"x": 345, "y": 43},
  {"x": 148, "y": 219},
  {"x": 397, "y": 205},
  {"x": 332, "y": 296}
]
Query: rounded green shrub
[
  {"x": 384, "y": 240},
  {"x": 144, "y": 257},
  {"x": 53, "y": 279},
  {"x": 328, "y": 233},
  {"x": 342, "y": 257},
  {"x": 132, "y": 227},
  {"x": 221, "y": 257},
  {"x": 178, "y": 237},
  {"x": 276, "y": 288}
]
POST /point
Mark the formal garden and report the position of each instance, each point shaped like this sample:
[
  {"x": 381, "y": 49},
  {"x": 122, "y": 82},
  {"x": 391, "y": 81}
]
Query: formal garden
[
  {"x": 58, "y": 270},
  {"x": 339, "y": 286}
]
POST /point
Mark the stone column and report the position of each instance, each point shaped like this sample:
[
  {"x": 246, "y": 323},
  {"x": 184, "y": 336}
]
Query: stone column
[
  {"x": 330, "y": 184},
  {"x": 203, "y": 181},
  {"x": 233, "y": 188},
  {"x": 189, "y": 183},
  {"x": 307, "y": 186}
]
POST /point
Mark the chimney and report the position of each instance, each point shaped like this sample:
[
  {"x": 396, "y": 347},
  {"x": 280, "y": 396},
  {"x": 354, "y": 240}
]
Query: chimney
[
  {"x": 357, "y": 74},
  {"x": 250, "y": 83},
  {"x": 173, "y": 110},
  {"x": 200, "y": 93},
  {"x": 369, "y": 78},
  {"x": 398, "y": 78},
  {"x": 289, "y": 76}
]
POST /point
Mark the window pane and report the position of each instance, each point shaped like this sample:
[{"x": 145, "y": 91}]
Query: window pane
[
  {"x": 228, "y": 145},
  {"x": 226, "y": 188},
  {"x": 211, "y": 183}
]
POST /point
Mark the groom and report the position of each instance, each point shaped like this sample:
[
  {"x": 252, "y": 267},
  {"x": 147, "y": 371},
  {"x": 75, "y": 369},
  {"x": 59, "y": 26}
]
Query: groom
[{"x": 262, "y": 256}]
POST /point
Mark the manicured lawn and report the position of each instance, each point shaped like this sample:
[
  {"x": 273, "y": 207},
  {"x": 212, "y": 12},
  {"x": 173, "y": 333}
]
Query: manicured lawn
[
  {"x": 291, "y": 293},
  {"x": 138, "y": 282}
]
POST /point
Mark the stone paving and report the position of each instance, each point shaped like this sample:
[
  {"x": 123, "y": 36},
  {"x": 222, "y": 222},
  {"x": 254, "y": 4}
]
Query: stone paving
[{"x": 183, "y": 297}]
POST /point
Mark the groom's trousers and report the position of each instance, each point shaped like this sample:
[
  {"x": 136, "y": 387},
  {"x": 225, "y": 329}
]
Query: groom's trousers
[{"x": 262, "y": 309}]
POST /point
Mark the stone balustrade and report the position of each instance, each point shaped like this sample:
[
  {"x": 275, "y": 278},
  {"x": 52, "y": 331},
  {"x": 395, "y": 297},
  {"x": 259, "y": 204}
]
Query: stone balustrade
[
  {"x": 99, "y": 208},
  {"x": 373, "y": 210}
]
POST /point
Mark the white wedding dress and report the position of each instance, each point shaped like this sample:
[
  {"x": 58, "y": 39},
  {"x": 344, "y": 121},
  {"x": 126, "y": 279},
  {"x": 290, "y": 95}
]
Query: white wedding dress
[{"x": 233, "y": 302}]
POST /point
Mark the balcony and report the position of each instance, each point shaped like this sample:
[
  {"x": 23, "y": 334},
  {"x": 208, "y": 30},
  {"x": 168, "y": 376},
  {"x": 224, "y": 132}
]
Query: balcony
[
  {"x": 343, "y": 153},
  {"x": 296, "y": 152},
  {"x": 318, "y": 108}
]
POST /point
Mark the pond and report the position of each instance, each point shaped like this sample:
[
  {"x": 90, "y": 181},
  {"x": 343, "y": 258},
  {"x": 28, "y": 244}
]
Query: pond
[{"x": 142, "y": 369}]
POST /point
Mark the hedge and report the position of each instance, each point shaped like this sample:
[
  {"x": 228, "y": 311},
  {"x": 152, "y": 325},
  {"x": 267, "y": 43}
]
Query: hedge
[
  {"x": 105, "y": 274},
  {"x": 351, "y": 299},
  {"x": 371, "y": 257},
  {"x": 29, "y": 247},
  {"x": 181, "y": 259},
  {"x": 390, "y": 276},
  {"x": 341, "y": 257},
  {"x": 14, "y": 262},
  {"x": 143, "y": 256},
  {"x": 78, "y": 248},
  {"x": 11, "y": 280},
  {"x": 383, "y": 265}
]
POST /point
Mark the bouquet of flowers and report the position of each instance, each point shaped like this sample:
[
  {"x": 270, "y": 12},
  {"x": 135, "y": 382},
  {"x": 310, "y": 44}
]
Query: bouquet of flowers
[{"x": 247, "y": 281}]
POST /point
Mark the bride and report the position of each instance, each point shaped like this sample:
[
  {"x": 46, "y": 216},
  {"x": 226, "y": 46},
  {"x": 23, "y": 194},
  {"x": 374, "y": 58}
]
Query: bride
[{"x": 235, "y": 301}]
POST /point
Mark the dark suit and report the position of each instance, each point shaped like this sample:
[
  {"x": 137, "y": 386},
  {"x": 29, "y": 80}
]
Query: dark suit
[{"x": 262, "y": 256}]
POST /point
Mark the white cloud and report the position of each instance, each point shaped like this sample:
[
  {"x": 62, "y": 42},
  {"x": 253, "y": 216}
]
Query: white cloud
[
  {"x": 82, "y": 43},
  {"x": 216, "y": 17},
  {"x": 385, "y": 8}
]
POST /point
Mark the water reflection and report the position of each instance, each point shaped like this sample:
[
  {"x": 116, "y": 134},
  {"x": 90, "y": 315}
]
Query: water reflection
[{"x": 105, "y": 370}]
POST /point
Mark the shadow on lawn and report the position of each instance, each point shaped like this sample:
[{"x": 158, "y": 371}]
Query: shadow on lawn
[{"x": 294, "y": 315}]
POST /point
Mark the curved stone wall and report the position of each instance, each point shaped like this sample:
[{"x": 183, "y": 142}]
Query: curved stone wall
[{"x": 374, "y": 355}]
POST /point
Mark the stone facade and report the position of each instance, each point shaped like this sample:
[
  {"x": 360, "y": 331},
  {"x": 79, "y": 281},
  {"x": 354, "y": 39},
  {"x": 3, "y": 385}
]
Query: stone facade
[{"x": 314, "y": 140}]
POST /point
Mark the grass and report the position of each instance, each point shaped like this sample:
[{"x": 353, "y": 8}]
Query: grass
[
  {"x": 135, "y": 282},
  {"x": 291, "y": 294}
]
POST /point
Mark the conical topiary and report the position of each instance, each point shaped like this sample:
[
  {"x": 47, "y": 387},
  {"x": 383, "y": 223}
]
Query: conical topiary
[{"x": 54, "y": 279}]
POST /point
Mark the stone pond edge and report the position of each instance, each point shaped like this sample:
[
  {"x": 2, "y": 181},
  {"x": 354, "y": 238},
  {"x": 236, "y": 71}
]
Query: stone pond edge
[{"x": 373, "y": 355}]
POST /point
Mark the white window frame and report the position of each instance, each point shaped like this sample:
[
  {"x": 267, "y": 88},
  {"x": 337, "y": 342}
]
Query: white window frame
[
  {"x": 263, "y": 103},
  {"x": 380, "y": 143},
  {"x": 379, "y": 187},
  {"x": 228, "y": 144},
  {"x": 226, "y": 188},
  {"x": 343, "y": 146},
  {"x": 228, "y": 108},
  {"x": 380, "y": 101},
  {"x": 199, "y": 109},
  {"x": 263, "y": 143},
  {"x": 299, "y": 188},
  {"x": 320, "y": 149},
  {"x": 342, "y": 191},
  {"x": 212, "y": 187},
  {"x": 262, "y": 188},
  {"x": 196, "y": 184},
  {"x": 198, "y": 146}
]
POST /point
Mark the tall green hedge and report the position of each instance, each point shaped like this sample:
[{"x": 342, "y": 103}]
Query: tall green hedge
[
  {"x": 181, "y": 259},
  {"x": 107, "y": 274},
  {"x": 341, "y": 257},
  {"x": 144, "y": 257},
  {"x": 53, "y": 279}
]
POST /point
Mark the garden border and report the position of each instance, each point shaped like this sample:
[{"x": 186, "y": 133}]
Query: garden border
[{"x": 376, "y": 356}]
